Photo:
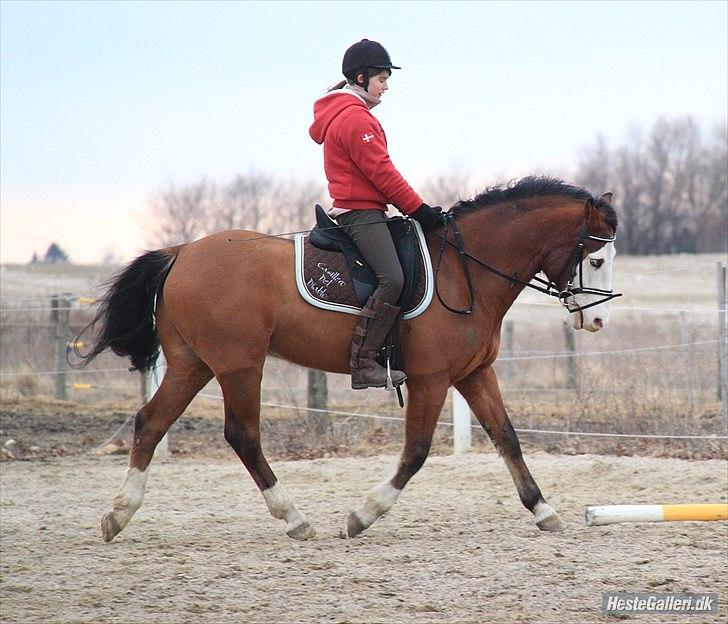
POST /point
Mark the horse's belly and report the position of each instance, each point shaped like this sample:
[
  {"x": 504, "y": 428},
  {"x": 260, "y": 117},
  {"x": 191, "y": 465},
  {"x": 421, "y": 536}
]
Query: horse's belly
[{"x": 312, "y": 337}]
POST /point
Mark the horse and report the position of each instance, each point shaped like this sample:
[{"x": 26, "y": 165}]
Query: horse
[{"x": 219, "y": 305}]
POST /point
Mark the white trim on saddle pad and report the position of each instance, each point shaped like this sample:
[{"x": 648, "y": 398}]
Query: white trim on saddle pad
[{"x": 339, "y": 307}]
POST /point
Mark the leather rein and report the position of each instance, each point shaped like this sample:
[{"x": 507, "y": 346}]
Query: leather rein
[{"x": 548, "y": 287}]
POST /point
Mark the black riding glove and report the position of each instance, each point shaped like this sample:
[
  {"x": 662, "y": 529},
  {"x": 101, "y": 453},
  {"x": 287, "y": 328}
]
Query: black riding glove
[{"x": 429, "y": 217}]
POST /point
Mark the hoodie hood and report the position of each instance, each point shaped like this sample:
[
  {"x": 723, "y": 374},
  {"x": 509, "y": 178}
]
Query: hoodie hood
[{"x": 330, "y": 106}]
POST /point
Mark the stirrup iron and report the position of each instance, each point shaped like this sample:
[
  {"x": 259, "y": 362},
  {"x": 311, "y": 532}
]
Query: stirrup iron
[{"x": 390, "y": 383}]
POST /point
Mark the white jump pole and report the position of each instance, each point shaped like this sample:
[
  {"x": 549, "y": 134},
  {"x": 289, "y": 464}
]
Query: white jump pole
[
  {"x": 462, "y": 432},
  {"x": 154, "y": 380},
  {"x": 613, "y": 514}
]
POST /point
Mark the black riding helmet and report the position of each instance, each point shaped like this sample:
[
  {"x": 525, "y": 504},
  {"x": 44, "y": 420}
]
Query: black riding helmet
[{"x": 365, "y": 54}]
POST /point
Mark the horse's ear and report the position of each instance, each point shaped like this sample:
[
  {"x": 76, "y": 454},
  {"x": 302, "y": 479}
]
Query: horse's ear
[{"x": 607, "y": 199}]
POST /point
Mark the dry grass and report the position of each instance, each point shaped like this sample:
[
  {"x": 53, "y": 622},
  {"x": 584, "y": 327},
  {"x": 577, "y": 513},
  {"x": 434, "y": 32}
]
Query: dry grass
[{"x": 670, "y": 391}]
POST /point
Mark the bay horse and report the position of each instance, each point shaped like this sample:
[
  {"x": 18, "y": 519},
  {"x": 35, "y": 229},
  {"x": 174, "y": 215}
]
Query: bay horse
[{"x": 218, "y": 306}]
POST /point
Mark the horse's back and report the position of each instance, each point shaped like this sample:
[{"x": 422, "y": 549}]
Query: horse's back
[
  {"x": 216, "y": 261},
  {"x": 219, "y": 278}
]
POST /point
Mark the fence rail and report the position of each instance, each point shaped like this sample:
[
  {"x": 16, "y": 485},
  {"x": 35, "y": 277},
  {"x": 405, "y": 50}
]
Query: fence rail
[{"x": 573, "y": 379}]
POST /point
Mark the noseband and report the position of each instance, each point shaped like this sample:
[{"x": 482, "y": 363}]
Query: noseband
[{"x": 548, "y": 287}]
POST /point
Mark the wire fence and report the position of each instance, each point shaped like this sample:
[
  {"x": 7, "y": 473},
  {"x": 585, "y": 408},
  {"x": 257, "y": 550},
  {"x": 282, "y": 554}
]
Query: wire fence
[
  {"x": 479, "y": 428},
  {"x": 654, "y": 374}
]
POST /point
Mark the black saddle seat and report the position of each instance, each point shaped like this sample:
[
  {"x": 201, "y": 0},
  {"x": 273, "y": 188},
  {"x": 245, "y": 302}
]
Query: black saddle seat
[{"x": 329, "y": 236}]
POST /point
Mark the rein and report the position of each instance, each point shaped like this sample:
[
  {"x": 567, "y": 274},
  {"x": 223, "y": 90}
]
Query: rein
[{"x": 547, "y": 287}]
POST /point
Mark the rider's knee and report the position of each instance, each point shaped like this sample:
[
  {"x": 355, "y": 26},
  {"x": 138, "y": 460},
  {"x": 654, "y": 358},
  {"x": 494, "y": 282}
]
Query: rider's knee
[
  {"x": 391, "y": 286},
  {"x": 397, "y": 281}
]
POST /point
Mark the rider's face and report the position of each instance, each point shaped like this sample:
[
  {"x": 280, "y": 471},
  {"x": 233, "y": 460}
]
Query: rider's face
[{"x": 378, "y": 84}]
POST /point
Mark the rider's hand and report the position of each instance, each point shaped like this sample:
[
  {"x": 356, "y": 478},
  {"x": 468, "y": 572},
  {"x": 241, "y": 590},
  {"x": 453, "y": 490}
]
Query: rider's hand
[{"x": 429, "y": 217}]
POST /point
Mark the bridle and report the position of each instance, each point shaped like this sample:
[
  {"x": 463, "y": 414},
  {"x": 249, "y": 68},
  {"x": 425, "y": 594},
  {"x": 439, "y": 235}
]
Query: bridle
[
  {"x": 577, "y": 268},
  {"x": 574, "y": 267}
]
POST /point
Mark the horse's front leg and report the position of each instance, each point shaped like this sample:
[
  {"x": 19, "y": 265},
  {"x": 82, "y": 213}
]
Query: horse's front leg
[
  {"x": 482, "y": 393},
  {"x": 424, "y": 404}
]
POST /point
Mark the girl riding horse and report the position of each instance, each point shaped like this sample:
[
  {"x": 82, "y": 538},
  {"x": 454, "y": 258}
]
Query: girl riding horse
[{"x": 362, "y": 181}]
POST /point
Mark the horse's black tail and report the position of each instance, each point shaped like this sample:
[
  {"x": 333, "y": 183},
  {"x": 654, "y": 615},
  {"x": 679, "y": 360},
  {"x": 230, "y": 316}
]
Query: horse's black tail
[{"x": 124, "y": 322}]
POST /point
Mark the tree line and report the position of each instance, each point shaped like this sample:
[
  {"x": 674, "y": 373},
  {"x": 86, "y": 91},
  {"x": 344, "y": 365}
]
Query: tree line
[{"x": 670, "y": 186}]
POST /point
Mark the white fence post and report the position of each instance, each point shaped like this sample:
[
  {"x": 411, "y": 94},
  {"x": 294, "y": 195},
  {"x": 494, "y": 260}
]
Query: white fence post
[
  {"x": 154, "y": 379},
  {"x": 689, "y": 375},
  {"x": 462, "y": 432},
  {"x": 722, "y": 340}
]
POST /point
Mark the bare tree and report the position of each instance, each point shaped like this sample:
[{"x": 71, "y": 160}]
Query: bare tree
[
  {"x": 243, "y": 202},
  {"x": 182, "y": 213},
  {"x": 712, "y": 194},
  {"x": 294, "y": 207},
  {"x": 250, "y": 201},
  {"x": 258, "y": 201},
  {"x": 670, "y": 187}
]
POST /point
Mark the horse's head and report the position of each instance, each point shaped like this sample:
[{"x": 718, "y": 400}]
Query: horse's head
[
  {"x": 585, "y": 276},
  {"x": 596, "y": 273}
]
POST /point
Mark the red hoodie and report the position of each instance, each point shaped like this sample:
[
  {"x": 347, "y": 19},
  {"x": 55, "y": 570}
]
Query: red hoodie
[{"x": 361, "y": 176}]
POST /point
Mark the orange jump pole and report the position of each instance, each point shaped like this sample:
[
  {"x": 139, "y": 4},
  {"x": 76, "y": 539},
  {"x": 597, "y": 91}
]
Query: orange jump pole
[{"x": 613, "y": 514}]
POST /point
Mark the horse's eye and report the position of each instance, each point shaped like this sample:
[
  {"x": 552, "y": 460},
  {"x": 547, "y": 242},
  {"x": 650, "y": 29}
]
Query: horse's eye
[{"x": 596, "y": 262}]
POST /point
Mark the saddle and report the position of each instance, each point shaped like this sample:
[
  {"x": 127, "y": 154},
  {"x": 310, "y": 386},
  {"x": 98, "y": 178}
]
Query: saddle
[
  {"x": 333, "y": 275},
  {"x": 329, "y": 236}
]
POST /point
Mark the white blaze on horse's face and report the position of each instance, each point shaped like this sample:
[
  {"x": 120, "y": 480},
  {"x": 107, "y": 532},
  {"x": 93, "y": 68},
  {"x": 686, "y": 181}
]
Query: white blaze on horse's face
[{"x": 596, "y": 273}]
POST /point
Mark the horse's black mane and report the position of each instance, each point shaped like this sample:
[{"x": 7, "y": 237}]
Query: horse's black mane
[{"x": 532, "y": 186}]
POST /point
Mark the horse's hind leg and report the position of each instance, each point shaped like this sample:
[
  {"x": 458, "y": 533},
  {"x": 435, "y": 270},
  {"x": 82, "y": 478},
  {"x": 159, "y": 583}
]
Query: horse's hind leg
[
  {"x": 241, "y": 392},
  {"x": 152, "y": 421},
  {"x": 481, "y": 391},
  {"x": 424, "y": 403},
  {"x": 185, "y": 376}
]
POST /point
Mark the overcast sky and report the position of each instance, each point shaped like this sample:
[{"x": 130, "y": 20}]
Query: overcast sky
[{"x": 105, "y": 103}]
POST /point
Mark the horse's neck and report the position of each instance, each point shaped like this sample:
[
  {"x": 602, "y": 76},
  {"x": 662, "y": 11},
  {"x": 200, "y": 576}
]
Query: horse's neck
[{"x": 512, "y": 244}]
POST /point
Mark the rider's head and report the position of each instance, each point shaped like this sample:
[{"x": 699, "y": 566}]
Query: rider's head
[{"x": 367, "y": 64}]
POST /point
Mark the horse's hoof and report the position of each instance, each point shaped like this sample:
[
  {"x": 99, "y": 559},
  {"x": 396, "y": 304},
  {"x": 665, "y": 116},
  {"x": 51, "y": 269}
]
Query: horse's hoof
[
  {"x": 303, "y": 531},
  {"x": 354, "y": 526},
  {"x": 109, "y": 527},
  {"x": 552, "y": 524}
]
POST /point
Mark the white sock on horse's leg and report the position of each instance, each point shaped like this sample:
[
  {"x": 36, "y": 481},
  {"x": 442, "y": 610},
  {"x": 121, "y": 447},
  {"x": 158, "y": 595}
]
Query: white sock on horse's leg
[
  {"x": 126, "y": 502},
  {"x": 378, "y": 502},
  {"x": 281, "y": 507},
  {"x": 546, "y": 518}
]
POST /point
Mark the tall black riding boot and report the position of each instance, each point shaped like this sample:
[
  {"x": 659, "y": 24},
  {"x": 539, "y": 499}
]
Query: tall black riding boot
[{"x": 375, "y": 321}]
